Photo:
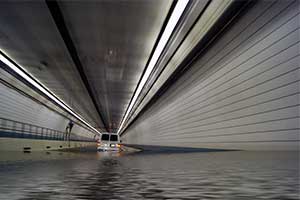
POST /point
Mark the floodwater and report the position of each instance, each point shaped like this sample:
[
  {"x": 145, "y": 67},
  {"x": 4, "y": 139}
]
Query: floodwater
[{"x": 215, "y": 175}]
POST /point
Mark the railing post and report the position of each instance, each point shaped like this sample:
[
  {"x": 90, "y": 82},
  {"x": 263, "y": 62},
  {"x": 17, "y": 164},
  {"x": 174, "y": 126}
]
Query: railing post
[
  {"x": 14, "y": 128},
  {"x": 29, "y": 130},
  {"x": 58, "y": 135},
  {"x": 22, "y": 131},
  {"x": 37, "y": 132},
  {"x": 33, "y": 131},
  {"x": 49, "y": 133}
]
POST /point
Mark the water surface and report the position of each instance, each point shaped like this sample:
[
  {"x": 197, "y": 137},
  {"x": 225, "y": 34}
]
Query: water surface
[{"x": 215, "y": 175}]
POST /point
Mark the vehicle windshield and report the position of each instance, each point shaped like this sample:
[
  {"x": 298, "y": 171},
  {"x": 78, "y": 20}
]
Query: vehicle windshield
[
  {"x": 114, "y": 138},
  {"x": 105, "y": 137}
]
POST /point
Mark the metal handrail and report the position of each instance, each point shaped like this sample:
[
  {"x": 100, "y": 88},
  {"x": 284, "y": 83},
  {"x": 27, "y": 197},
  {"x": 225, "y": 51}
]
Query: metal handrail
[{"x": 13, "y": 128}]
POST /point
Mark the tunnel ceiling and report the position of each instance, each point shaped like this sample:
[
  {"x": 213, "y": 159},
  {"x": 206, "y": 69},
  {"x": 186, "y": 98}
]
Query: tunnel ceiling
[{"x": 112, "y": 40}]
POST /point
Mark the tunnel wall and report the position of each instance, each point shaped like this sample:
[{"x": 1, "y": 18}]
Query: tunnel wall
[
  {"x": 29, "y": 120},
  {"x": 242, "y": 93}
]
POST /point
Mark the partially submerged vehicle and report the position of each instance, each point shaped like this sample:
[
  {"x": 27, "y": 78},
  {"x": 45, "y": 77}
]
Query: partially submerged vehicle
[{"x": 109, "y": 142}]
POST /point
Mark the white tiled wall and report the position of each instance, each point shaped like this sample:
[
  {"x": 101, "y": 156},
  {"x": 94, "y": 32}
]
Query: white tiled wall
[{"x": 243, "y": 93}]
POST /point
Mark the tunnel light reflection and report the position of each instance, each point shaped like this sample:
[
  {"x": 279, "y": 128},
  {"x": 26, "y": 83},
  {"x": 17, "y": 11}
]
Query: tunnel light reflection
[
  {"x": 175, "y": 16},
  {"x": 43, "y": 90}
]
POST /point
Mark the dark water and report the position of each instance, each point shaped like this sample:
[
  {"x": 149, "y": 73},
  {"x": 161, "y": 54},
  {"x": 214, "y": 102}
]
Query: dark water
[{"x": 219, "y": 175}]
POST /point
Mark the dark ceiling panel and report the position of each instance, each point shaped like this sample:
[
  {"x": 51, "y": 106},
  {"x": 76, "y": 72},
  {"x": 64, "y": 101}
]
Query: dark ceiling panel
[
  {"x": 114, "y": 40},
  {"x": 29, "y": 36},
  {"x": 60, "y": 23}
]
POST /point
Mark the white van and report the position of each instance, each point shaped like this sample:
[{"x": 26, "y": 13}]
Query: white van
[{"x": 109, "y": 142}]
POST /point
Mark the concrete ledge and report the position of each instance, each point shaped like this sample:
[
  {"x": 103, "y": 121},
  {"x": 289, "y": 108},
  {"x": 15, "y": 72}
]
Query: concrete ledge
[
  {"x": 130, "y": 149},
  {"x": 171, "y": 149},
  {"x": 19, "y": 144}
]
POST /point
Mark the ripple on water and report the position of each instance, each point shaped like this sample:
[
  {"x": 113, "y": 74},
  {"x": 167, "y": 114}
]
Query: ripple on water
[{"x": 219, "y": 175}]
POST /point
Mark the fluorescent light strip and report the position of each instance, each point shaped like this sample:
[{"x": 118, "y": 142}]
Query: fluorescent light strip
[
  {"x": 43, "y": 90},
  {"x": 176, "y": 14}
]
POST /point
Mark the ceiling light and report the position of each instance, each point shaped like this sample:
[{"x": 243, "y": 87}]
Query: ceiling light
[
  {"x": 41, "y": 88},
  {"x": 176, "y": 14}
]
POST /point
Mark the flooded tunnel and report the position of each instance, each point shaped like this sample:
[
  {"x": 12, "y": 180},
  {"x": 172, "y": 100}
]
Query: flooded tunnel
[{"x": 149, "y": 99}]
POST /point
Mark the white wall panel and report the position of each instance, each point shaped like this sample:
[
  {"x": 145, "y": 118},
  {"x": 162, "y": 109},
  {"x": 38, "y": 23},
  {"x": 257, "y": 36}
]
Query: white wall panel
[
  {"x": 243, "y": 93},
  {"x": 15, "y": 106}
]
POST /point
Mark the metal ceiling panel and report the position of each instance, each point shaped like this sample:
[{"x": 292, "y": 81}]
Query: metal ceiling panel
[
  {"x": 30, "y": 37},
  {"x": 114, "y": 40}
]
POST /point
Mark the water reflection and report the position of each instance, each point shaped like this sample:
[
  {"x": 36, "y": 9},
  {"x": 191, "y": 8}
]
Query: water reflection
[{"x": 220, "y": 175}]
